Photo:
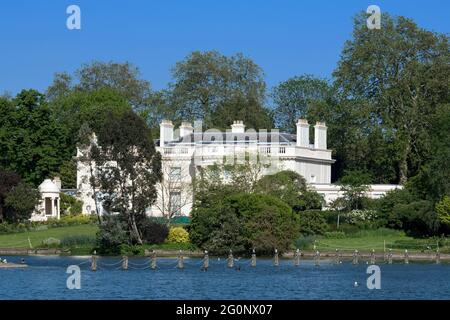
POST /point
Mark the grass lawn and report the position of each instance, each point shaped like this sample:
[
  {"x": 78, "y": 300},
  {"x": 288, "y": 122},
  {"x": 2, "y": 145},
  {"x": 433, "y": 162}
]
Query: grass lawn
[
  {"x": 20, "y": 240},
  {"x": 374, "y": 239}
]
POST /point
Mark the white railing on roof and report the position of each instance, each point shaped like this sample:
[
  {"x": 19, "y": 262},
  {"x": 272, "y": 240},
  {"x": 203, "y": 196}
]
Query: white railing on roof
[{"x": 176, "y": 150}]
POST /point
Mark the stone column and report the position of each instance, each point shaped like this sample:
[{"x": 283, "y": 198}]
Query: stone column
[
  {"x": 58, "y": 213},
  {"x": 52, "y": 211}
]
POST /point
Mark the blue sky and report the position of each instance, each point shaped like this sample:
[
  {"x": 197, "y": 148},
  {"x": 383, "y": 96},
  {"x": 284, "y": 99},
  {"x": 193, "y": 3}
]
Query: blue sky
[{"x": 285, "y": 37}]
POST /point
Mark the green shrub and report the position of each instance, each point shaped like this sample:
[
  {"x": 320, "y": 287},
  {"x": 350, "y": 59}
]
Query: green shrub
[
  {"x": 70, "y": 205},
  {"x": 111, "y": 235},
  {"x": 153, "y": 232},
  {"x": 7, "y": 228},
  {"x": 291, "y": 188},
  {"x": 70, "y": 220},
  {"x": 312, "y": 222},
  {"x": 304, "y": 242},
  {"x": 443, "y": 212},
  {"x": 358, "y": 216},
  {"x": 178, "y": 235},
  {"x": 242, "y": 222}
]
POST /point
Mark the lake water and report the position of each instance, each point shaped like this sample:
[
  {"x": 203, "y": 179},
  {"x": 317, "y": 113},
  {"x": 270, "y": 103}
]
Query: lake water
[{"x": 46, "y": 277}]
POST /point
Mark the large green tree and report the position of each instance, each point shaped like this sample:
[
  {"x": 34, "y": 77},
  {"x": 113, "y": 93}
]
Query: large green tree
[
  {"x": 20, "y": 202},
  {"x": 127, "y": 169},
  {"x": 32, "y": 142},
  {"x": 124, "y": 78},
  {"x": 295, "y": 97},
  {"x": 210, "y": 86},
  {"x": 400, "y": 73},
  {"x": 76, "y": 108}
]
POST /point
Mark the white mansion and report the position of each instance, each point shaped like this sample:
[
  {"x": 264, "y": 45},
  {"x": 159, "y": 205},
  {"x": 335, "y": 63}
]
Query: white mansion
[{"x": 187, "y": 149}]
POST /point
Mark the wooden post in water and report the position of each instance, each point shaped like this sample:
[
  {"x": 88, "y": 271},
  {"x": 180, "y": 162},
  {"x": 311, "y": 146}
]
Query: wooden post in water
[
  {"x": 205, "y": 261},
  {"x": 406, "y": 256},
  {"x": 372, "y": 257},
  {"x": 230, "y": 260},
  {"x": 94, "y": 263},
  {"x": 180, "y": 264},
  {"x": 390, "y": 256},
  {"x": 337, "y": 257},
  {"x": 125, "y": 263},
  {"x": 355, "y": 257},
  {"x": 253, "y": 261},
  {"x": 317, "y": 258},
  {"x": 153, "y": 260},
  {"x": 276, "y": 261},
  {"x": 297, "y": 255}
]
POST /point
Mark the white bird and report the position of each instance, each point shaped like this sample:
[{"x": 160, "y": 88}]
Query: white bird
[{"x": 356, "y": 283}]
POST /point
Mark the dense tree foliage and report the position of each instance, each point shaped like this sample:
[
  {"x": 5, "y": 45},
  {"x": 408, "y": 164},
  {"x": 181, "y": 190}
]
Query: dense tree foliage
[
  {"x": 296, "y": 97},
  {"x": 123, "y": 78},
  {"x": 242, "y": 222},
  {"x": 312, "y": 222},
  {"x": 20, "y": 202},
  {"x": 32, "y": 142},
  {"x": 400, "y": 74},
  {"x": 17, "y": 199},
  {"x": 128, "y": 167},
  {"x": 8, "y": 180},
  {"x": 218, "y": 89},
  {"x": 354, "y": 185},
  {"x": 70, "y": 205},
  {"x": 401, "y": 209},
  {"x": 291, "y": 188}
]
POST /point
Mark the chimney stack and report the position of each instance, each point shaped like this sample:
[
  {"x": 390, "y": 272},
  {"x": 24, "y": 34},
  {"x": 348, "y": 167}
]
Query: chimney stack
[
  {"x": 165, "y": 132},
  {"x": 186, "y": 129},
  {"x": 302, "y": 133},
  {"x": 320, "y": 136},
  {"x": 238, "y": 127}
]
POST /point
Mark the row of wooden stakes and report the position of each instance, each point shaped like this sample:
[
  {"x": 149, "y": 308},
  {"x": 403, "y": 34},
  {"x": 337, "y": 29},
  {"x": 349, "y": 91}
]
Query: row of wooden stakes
[{"x": 388, "y": 257}]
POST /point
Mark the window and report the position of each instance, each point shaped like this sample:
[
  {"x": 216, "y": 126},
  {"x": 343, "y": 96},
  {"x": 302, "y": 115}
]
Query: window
[
  {"x": 175, "y": 203},
  {"x": 175, "y": 173}
]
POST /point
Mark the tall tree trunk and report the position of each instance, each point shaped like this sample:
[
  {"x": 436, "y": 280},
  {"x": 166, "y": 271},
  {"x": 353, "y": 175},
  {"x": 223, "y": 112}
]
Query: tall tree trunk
[
  {"x": 135, "y": 229},
  {"x": 403, "y": 165}
]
